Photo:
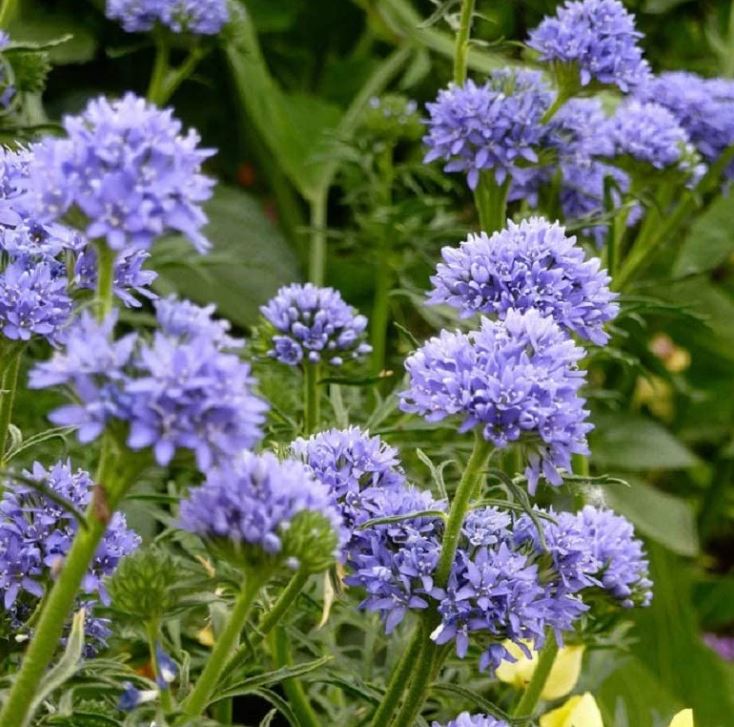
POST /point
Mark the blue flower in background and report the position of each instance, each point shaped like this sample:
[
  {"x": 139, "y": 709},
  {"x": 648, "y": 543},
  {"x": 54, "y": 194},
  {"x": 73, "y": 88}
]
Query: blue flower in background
[
  {"x": 314, "y": 325},
  {"x": 200, "y": 17},
  {"x": 599, "y": 36},
  {"x": 494, "y": 127},
  {"x": 531, "y": 265},
  {"x": 472, "y": 720},
  {"x": 516, "y": 379}
]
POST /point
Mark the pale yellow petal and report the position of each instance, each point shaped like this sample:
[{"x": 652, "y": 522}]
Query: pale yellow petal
[
  {"x": 564, "y": 673},
  {"x": 683, "y": 719},
  {"x": 579, "y": 711},
  {"x": 517, "y": 673}
]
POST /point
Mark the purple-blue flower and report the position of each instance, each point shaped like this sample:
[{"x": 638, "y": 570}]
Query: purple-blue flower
[
  {"x": 531, "y": 265},
  {"x": 599, "y": 37},
  {"x": 253, "y": 500},
  {"x": 7, "y": 87},
  {"x": 494, "y": 127},
  {"x": 353, "y": 465},
  {"x": 36, "y": 534},
  {"x": 200, "y": 17},
  {"x": 314, "y": 325},
  {"x": 183, "y": 320},
  {"x": 517, "y": 380},
  {"x": 128, "y": 168},
  {"x": 472, "y": 720}
]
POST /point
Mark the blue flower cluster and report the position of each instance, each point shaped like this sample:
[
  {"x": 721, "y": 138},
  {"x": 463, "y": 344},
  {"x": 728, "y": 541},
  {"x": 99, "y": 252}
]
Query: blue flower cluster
[
  {"x": 180, "y": 390},
  {"x": 353, "y": 465},
  {"x": 36, "y": 534},
  {"x": 495, "y": 127},
  {"x": 7, "y": 87},
  {"x": 704, "y": 107},
  {"x": 599, "y": 37},
  {"x": 252, "y": 500},
  {"x": 200, "y": 17},
  {"x": 531, "y": 265},
  {"x": 126, "y": 166},
  {"x": 473, "y": 720},
  {"x": 502, "y": 585},
  {"x": 516, "y": 379},
  {"x": 314, "y": 325}
]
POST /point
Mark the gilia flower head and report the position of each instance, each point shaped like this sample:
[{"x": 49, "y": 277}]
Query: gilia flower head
[
  {"x": 491, "y": 127},
  {"x": 515, "y": 379},
  {"x": 599, "y": 37},
  {"x": 200, "y": 17},
  {"x": 649, "y": 133},
  {"x": 127, "y": 167},
  {"x": 253, "y": 505},
  {"x": 183, "y": 320},
  {"x": 314, "y": 325},
  {"x": 531, "y": 265},
  {"x": 36, "y": 534},
  {"x": 473, "y": 720},
  {"x": 704, "y": 107},
  {"x": 353, "y": 466}
]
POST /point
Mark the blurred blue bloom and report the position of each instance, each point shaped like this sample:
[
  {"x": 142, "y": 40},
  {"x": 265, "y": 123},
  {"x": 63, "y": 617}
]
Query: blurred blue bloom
[
  {"x": 127, "y": 167},
  {"x": 132, "y": 697},
  {"x": 516, "y": 379},
  {"x": 599, "y": 36},
  {"x": 531, "y": 265},
  {"x": 473, "y": 720},
  {"x": 200, "y": 17},
  {"x": 491, "y": 127},
  {"x": 183, "y": 319},
  {"x": 166, "y": 667},
  {"x": 314, "y": 325}
]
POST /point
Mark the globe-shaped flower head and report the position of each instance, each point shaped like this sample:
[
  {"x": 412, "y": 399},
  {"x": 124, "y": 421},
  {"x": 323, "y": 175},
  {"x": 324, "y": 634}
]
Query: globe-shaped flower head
[
  {"x": 314, "y": 325},
  {"x": 648, "y": 134},
  {"x": 598, "y": 37},
  {"x": 533, "y": 264},
  {"x": 127, "y": 167},
  {"x": 494, "y": 127},
  {"x": 473, "y": 720},
  {"x": 516, "y": 380},
  {"x": 258, "y": 509},
  {"x": 353, "y": 465},
  {"x": 200, "y": 17}
]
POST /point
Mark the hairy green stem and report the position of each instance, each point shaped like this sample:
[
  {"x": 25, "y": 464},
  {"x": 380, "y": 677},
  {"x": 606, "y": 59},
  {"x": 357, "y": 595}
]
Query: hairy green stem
[
  {"x": 317, "y": 252},
  {"x": 152, "y": 632},
  {"x": 491, "y": 202},
  {"x": 286, "y": 599},
  {"x": 311, "y": 373},
  {"x": 461, "y": 50},
  {"x": 62, "y": 597},
  {"x": 398, "y": 680},
  {"x": 196, "y": 702},
  {"x": 105, "y": 279},
  {"x": 293, "y": 688},
  {"x": 7, "y": 399},
  {"x": 156, "y": 88},
  {"x": 529, "y": 700}
]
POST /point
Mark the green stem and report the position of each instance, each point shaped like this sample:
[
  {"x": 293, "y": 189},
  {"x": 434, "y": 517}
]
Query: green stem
[
  {"x": 197, "y": 701},
  {"x": 152, "y": 629},
  {"x": 62, "y": 597},
  {"x": 105, "y": 279},
  {"x": 560, "y": 100},
  {"x": 466, "y": 491},
  {"x": 9, "y": 384},
  {"x": 286, "y": 599},
  {"x": 398, "y": 680},
  {"x": 157, "y": 87},
  {"x": 6, "y": 12},
  {"x": 529, "y": 700},
  {"x": 317, "y": 252},
  {"x": 292, "y": 687},
  {"x": 461, "y": 50},
  {"x": 491, "y": 202},
  {"x": 311, "y": 398}
]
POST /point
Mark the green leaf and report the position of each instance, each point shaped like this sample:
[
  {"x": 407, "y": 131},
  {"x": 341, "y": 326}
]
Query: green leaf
[
  {"x": 709, "y": 241},
  {"x": 629, "y": 442},
  {"x": 249, "y": 261},
  {"x": 666, "y": 519}
]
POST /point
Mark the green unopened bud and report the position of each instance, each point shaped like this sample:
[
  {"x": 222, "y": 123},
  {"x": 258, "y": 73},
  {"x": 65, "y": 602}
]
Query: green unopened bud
[
  {"x": 392, "y": 118},
  {"x": 143, "y": 584},
  {"x": 310, "y": 542},
  {"x": 30, "y": 70}
]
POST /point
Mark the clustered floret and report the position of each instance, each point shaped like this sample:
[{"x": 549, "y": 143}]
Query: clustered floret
[
  {"x": 531, "y": 265},
  {"x": 36, "y": 534},
  {"x": 495, "y": 127},
  {"x": 599, "y": 37},
  {"x": 473, "y": 720},
  {"x": 127, "y": 167},
  {"x": 314, "y": 325},
  {"x": 200, "y": 17},
  {"x": 517, "y": 380},
  {"x": 180, "y": 390}
]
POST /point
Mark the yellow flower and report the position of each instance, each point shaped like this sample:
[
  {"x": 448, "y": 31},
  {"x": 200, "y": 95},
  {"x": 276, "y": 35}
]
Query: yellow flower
[
  {"x": 683, "y": 719},
  {"x": 579, "y": 711},
  {"x": 561, "y": 680}
]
